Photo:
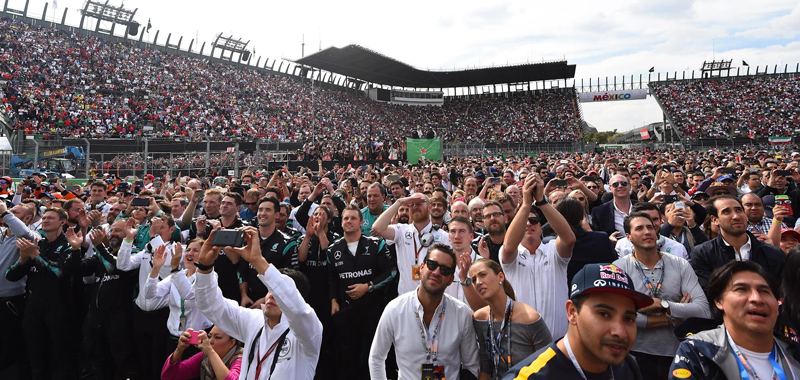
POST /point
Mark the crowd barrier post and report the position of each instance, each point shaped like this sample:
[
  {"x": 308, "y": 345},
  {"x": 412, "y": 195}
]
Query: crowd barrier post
[
  {"x": 87, "y": 155},
  {"x": 236, "y": 159},
  {"x": 146, "y": 148}
]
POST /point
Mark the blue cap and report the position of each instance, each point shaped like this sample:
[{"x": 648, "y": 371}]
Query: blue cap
[{"x": 724, "y": 177}]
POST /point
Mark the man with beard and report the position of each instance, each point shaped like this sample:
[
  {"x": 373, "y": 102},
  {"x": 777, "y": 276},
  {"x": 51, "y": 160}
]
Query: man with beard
[
  {"x": 601, "y": 316},
  {"x": 359, "y": 268},
  {"x": 12, "y": 293},
  {"x": 448, "y": 347},
  {"x": 476, "y": 213},
  {"x": 494, "y": 221},
  {"x": 403, "y": 215},
  {"x": 411, "y": 240},
  {"x": 672, "y": 284},
  {"x": 733, "y": 242},
  {"x": 110, "y": 308},
  {"x": 438, "y": 208},
  {"x": 277, "y": 247},
  {"x": 112, "y": 215},
  {"x": 376, "y": 197}
]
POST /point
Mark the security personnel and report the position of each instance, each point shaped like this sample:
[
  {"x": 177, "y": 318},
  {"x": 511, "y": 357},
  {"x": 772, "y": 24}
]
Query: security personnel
[
  {"x": 277, "y": 248},
  {"x": 358, "y": 265}
]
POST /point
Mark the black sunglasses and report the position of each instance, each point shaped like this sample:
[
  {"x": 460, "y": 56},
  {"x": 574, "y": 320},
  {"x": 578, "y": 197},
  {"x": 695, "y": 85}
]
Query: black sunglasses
[
  {"x": 618, "y": 184},
  {"x": 533, "y": 220},
  {"x": 443, "y": 269}
]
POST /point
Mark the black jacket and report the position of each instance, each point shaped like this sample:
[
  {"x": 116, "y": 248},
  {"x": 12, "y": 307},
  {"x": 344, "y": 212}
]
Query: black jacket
[
  {"x": 48, "y": 273},
  {"x": 590, "y": 247},
  {"x": 278, "y": 249},
  {"x": 372, "y": 262},
  {"x": 603, "y": 217},
  {"x": 113, "y": 289},
  {"x": 715, "y": 253}
]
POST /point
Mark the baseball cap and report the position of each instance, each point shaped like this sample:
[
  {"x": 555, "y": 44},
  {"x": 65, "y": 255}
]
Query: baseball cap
[
  {"x": 479, "y": 175},
  {"x": 721, "y": 187},
  {"x": 594, "y": 278},
  {"x": 725, "y": 177},
  {"x": 150, "y": 177},
  {"x": 790, "y": 232}
]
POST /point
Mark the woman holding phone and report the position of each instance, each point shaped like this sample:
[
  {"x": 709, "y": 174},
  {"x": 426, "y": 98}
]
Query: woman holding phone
[
  {"x": 507, "y": 331},
  {"x": 177, "y": 289},
  {"x": 220, "y": 357}
]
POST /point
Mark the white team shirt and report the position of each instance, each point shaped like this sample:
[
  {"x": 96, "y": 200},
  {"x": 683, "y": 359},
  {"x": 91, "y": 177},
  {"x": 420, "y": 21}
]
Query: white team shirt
[
  {"x": 297, "y": 358},
  {"x": 540, "y": 281},
  {"x": 405, "y": 237}
]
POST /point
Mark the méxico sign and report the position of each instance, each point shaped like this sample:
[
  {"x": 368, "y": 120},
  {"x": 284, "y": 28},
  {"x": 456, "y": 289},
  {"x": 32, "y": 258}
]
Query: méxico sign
[{"x": 612, "y": 96}]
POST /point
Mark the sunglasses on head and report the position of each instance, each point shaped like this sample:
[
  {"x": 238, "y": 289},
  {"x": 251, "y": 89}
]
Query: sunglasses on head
[
  {"x": 443, "y": 269},
  {"x": 618, "y": 184}
]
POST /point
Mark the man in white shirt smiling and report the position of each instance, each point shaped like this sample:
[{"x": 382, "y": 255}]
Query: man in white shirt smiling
[{"x": 432, "y": 332}]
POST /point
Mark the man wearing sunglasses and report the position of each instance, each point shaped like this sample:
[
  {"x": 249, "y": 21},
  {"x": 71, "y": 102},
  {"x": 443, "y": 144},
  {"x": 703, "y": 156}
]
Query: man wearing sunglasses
[
  {"x": 609, "y": 216},
  {"x": 431, "y": 331}
]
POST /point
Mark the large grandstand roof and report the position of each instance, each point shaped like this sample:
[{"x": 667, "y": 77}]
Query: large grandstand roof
[{"x": 369, "y": 66}]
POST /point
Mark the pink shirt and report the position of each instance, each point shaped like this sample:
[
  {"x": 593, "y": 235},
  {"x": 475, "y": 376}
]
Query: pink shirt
[{"x": 190, "y": 368}]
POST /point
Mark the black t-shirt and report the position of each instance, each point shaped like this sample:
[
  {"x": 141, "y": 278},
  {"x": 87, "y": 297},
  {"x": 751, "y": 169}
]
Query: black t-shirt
[
  {"x": 550, "y": 363},
  {"x": 279, "y": 250}
]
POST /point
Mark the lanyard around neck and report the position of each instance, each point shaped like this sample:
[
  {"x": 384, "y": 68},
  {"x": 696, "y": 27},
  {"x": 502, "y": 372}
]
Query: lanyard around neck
[
  {"x": 493, "y": 347},
  {"x": 654, "y": 290},
  {"x": 431, "y": 341},
  {"x": 746, "y": 370},
  {"x": 575, "y": 360}
]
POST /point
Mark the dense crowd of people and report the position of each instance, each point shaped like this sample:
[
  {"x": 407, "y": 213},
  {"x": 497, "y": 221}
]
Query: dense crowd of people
[
  {"x": 631, "y": 264},
  {"x": 742, "y": 107},
  {"x": 70, "y": 85}
]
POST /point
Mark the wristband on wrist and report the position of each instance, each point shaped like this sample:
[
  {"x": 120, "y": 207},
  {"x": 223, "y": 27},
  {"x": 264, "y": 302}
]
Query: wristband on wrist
[
  {"x": 201, "y": 266},
  {"x": 178, "y": 269}
]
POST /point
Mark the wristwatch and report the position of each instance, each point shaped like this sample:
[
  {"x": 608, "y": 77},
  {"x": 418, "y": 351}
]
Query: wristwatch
[
  {"x": 665, "y": 306},
  {"x": 468, "y": 282},
  {"x": 370, "y": 288},
  {"x": 541, "y": 203}
]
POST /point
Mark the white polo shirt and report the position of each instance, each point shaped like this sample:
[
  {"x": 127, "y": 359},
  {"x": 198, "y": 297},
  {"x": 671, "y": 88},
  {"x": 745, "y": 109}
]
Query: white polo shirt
[
  {"x": 406, "y": 238},
  {"x": 540, "y": 281}
]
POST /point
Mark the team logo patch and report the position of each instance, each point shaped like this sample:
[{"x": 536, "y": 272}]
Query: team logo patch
[
  {"x": 681, "y": 373},
  {"x": 599, "y": 283},
  {"x": 337, "y": 255},
  {"x": 574, "y": 287},
  {"x": 274, "y": 247},
  {"x": 287, "y": 346}
]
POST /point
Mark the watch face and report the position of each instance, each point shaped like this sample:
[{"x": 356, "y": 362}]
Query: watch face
[{"x": 664, "y": 304}]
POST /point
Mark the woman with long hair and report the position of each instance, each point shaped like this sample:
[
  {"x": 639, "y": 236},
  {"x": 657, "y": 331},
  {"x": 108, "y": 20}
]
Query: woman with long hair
[{"x": 508, "y": 331}]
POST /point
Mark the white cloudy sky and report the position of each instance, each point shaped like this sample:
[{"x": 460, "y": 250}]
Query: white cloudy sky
[{"x": 603, "y": 38}]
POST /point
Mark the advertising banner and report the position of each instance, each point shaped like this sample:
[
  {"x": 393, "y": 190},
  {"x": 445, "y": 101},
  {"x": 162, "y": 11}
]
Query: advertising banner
[{"x": 613, "y": 96}]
